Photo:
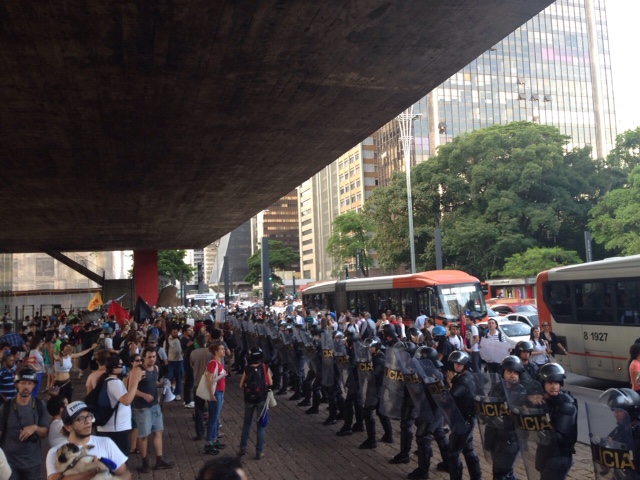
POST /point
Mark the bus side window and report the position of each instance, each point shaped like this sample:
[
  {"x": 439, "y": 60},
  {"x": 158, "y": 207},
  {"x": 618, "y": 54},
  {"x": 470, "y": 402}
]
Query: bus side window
[
  {"x": 627, "y": 305},
  {"x": 558, "y": 299}
]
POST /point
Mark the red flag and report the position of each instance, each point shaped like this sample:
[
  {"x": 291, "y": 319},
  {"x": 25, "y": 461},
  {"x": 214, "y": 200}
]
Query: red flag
[
  {"x": 119, "y": 313},
  {"x": 463, "y": 330}
]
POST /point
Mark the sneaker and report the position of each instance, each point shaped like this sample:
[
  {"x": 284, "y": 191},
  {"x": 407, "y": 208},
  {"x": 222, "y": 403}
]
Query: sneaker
[
  {"x": 178, "y": 397},
  {"x": 259, "y": 455},
  {"x": 343, "y": 432},
  {"x": 218, "y": 445},
  {"x": 242, "y": 451},
  {"x": 162, "y": 464},
  {"x": 190, "y": 405},
  {"x": 210, "y": 449}
]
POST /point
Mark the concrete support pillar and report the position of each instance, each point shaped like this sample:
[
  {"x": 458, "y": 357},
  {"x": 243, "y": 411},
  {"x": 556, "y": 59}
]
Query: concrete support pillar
[{"x": 145, "y": 275}]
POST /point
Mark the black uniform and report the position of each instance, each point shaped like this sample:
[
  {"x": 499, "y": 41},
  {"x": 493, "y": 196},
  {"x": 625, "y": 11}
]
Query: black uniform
[
  {"x": 553, "y": 460},
  {"x": 378, "y": 361},
  {"x": 502, "y": 441},
  {"x": 461, "y": 440}
]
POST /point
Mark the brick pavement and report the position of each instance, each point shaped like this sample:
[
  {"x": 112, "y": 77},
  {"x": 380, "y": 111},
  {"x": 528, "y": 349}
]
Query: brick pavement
[{"x": 297, "y": 446}]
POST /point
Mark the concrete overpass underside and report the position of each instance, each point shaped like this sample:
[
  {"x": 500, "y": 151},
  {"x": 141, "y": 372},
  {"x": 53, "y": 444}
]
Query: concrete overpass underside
[{"x": 156, "y": 125}]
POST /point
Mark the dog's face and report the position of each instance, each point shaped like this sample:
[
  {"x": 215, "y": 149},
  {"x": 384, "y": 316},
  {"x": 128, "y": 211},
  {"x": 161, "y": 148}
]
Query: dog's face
[{"x": 68, "y": 452}]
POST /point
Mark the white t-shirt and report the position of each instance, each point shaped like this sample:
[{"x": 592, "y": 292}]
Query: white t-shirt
[
  {"x": 116, "y": 389},
  {"x": 473, "y": 330},
  {"x": 103, "y": 447},
  {"x": 108, "y": 343},
  {"x": 55, "y": 437},
  {"x": 456, "y": 341}
]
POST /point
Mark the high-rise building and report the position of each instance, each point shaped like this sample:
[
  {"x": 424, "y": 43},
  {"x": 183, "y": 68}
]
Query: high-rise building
[
  {"x": 554, "y": 70},
  {"x": 279, "y": 222},
  {"x": 236, "y": 247}
]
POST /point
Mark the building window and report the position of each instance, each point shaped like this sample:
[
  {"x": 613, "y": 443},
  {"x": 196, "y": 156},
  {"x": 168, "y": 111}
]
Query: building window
[{"x": 44, "y": 267}]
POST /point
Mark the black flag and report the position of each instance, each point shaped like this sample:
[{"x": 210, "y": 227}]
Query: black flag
[{"x": 141, "y": 311}]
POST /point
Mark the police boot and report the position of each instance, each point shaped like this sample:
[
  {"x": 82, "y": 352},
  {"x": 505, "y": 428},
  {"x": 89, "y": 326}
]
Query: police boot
[
  {"x": 455, "y": 468},
  {"x": 473, "y": 465},
  {"x": 386, "y": 427},
  {"x": 405, "y": 448},
  {"x": 424, "y": 461},
  {"x": 359, "y": 425},
  {"x": 369, "y": 443}
]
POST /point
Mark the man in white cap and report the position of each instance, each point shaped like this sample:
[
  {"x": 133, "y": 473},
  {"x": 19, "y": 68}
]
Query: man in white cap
[{"x": 77, "y": 422}]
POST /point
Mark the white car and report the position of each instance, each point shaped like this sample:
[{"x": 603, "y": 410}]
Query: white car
[
  {"x": 530, "y": 319},
  {"x": 513, "y": 332}
]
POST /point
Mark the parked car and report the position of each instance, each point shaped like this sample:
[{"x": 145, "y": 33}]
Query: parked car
[
  {"x": 506, "y": 308},
  {"x": 513, "y": 332},
  {"x": 492, "y": 314},
  {"x": 530, "y": 319}
]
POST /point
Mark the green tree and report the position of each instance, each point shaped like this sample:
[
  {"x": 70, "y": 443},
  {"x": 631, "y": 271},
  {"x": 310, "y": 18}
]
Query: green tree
[
  {"x": 535, "y": 260},
  {"x": 351, "y": 231},
  {"x": 171, "y": 265},
  {"x": 626, "y": 154},
  {"x": 280, "y": 257},
  {"x": 493, "y": 192},
  {"x": 614, "y": 221}
]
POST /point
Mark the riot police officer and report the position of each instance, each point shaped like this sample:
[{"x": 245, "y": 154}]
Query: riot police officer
[
  {"x": 408, "y": 413},
  {"x": 462, "y": 390},
  {"x": 414, "y": 335},
  {"x": 378, "y": 359},
  {"x": 353, "y": 400},
  {"x": 553, "y": 459},
  {"x": 429, "y": 426},
  {"x": 500, "y": 437},
  {"x": 627, "y": 429},
  {"x": 529, "y": 369}
]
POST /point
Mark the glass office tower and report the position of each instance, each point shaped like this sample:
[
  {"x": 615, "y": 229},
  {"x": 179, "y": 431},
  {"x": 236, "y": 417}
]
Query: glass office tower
[{"x": 554, "y": 70}]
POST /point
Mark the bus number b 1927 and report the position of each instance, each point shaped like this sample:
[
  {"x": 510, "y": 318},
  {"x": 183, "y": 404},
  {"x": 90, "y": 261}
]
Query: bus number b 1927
[{"x": 596, "y": 336}]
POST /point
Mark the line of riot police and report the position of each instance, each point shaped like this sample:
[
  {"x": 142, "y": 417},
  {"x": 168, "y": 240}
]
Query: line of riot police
[{"x": 520, "y": 410}]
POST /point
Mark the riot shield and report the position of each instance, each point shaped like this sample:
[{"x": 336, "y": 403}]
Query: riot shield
[
  {"x": 392, "y": 391},
  {"x": 341, "y": 358},
  {"x": 263, "y": 342},
  {"x": 289, "y": 350},
  {"x": 533, "y": 428},
  {"x": 328, "y": 376},
  {"x": 249, "y": 333},
  {"x": 413, "y": 386},
  {"x": 496, "y": 428},
  {"x": 364, "y": 365},
  {"x": 432, "y": 378},
  {"x": 611, "y": 440}
]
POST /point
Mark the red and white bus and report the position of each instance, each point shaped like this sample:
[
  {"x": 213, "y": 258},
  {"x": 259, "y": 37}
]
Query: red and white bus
[
  {"x": 442, "y": 294},
  {"x": 594, "y": 309}
]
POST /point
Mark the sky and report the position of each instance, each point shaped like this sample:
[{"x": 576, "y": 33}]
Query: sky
[{"x": 624, "y": 38}]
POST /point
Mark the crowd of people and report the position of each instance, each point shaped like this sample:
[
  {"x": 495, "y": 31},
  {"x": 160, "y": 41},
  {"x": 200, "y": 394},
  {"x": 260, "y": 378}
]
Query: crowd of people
[{"x": 370, "y": 372}]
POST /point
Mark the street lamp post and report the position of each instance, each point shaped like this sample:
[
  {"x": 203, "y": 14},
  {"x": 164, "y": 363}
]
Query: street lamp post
[{"x": 405, "y": 120}]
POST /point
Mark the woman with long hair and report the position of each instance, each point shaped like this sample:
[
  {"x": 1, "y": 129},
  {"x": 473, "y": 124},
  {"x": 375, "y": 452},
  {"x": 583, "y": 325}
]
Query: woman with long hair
[
  {"x": 48, "y": 354},
  {"x": 541, "y": 349},
  {"x": 215, "y": 378},
  {"x": 63, "y": 365},
  {"x": 36, "y": 360},
  {"x": 634, "y": 366}
]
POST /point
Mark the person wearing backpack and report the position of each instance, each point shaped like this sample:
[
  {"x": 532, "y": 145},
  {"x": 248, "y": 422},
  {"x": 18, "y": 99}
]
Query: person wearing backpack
[
  {"x": 118, "y": 425},
  {"x": 255, "y": 383},
  {"x": 24, "y": 422}
]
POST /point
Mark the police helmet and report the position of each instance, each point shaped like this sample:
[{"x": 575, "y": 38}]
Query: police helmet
[
  {"x": 315, "y": 330},
  {"x": 622, "y": 399},
  {"x": 428, "y": 353},
  {"x": 551, "y": 372},
  {"x": 463, "y": 358},
  {"x": 438, "y": 331},
  {"x": 389, "y": 330},
  {"x": 289, "y": 328},
  {"x": 414, "y": 335},
  {"x": 373, "y": 342},
  {"x": 512, "y": 363},
  {"x": 411, "y": 347},
  {"x": 338, "y": 335},
  {"x": 26, "y": 373},
  {"x": 282, "y": 323},
  {"x": 524, "y": 346},
  {"x": 352, "y": 337},
  {"x": 255, "y": 355},
  {"x": 400, "y": 345}
]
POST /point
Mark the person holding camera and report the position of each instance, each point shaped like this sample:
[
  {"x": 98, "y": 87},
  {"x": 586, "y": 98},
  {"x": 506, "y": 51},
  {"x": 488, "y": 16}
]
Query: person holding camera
[{"x": 24, "y": 421}]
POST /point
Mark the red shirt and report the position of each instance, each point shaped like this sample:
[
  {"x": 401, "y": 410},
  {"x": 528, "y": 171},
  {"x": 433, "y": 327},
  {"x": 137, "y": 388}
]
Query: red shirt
[{"x": 211, "y": 368}]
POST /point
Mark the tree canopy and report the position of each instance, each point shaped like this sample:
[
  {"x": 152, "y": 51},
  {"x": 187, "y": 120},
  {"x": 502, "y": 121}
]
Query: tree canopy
[
  {"x": 535, "y": 260},
  {"x": 280, "y": 257},
  {"x": 171, "y": 265},
  {"x": 493, "y": 192},
  {"x": 351, "y": 231}
]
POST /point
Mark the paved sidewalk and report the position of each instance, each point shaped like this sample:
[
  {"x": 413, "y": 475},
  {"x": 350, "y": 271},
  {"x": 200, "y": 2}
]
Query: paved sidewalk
[{"x": 298, "y": 446}]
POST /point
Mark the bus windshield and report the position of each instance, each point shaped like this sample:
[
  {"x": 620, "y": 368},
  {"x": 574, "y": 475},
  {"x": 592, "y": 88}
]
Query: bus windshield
[{"x": 454, "y": 300}]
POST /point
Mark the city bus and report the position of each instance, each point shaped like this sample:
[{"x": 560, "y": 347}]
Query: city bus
[
  {"x": 594, "y": 309},
  {"x": 442, "y": 294}
]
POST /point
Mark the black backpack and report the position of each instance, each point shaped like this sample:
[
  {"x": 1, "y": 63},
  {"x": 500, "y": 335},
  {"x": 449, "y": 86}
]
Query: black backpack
[
  {"x": 255, "y": 384},
  {"x": 99, "y": 403},
  {"x": 36, "y": 404}
]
